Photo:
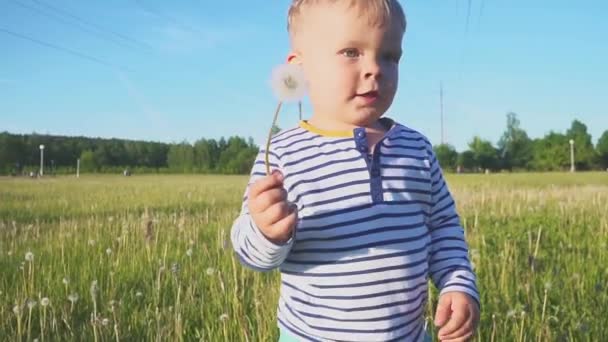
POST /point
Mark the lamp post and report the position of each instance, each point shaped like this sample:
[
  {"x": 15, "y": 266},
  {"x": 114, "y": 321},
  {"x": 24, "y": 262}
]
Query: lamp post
[
  {"x": 572, "y": 169},
  {"x": 41, "y": 160}
]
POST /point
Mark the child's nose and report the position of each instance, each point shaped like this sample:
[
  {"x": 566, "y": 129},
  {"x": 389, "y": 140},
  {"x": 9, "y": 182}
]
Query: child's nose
[{"x": 373, "y": 70}]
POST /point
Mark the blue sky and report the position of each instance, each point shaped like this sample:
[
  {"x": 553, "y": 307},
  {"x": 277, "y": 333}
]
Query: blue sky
[{"x": 182, "y": 70}]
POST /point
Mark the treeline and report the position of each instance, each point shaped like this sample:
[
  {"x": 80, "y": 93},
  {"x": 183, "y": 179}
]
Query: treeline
[
  {"x": 516, "y": 151},
  {"x": 20, "y": 154}
]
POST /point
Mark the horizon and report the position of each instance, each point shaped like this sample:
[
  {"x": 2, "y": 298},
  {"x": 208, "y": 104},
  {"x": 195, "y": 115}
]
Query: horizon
[{"x": 152, "y": 71}]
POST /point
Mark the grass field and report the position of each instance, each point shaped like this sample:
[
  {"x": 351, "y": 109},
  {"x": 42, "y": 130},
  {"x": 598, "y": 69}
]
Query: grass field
[{"x": 149, "y": 258}]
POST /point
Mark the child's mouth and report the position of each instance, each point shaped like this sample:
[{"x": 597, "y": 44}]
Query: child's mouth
[{"x": 369, "y": 97}]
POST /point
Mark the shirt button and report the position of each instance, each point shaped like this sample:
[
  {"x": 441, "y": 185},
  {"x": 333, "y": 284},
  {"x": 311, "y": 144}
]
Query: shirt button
[{"x": 361, "y": 134}]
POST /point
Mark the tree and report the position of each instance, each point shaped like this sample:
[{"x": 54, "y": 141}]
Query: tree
[
  {"x": 551, "y": 153},
  {"x": 87, "y": 161},
  {"x": 584, "y": 152},
  {"x": 486, "y": 156},
  {"x": 515, "y": 147},
  {"x": 446, "y": 155},
  {"x": 602, "y": 150},
  {"x": 466, "y": 160}
]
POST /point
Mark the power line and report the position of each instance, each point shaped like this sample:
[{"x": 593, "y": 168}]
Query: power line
[
  {"x": 86, "y": 22},
  {"x": 68, "y": 23},
  {"x": 64, "y": 49}
]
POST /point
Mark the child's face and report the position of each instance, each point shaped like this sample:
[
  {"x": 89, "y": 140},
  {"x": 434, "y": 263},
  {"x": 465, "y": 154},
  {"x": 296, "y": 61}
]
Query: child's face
[{"x": 351, "y": 66}]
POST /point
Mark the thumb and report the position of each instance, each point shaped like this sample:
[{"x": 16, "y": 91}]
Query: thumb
[{"x": 444, "y": 309}]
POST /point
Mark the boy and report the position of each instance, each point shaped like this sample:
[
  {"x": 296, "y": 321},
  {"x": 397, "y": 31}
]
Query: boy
[{"x": 356, "y": 214}]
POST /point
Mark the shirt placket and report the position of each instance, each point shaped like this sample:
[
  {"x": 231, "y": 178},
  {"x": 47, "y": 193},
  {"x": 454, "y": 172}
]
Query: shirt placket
[{"x": 373, "y": 164}]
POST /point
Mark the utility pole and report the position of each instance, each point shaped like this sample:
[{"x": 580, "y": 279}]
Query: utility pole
[
  {"x": 41, "y": 160},
  {"x": 572, "y": 168}
]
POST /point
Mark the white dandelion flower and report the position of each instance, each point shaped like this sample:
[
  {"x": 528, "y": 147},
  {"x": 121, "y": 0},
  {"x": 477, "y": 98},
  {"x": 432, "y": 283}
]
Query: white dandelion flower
[
  {"x": 223, "y": 317},
  {"x": 139, "y": 294},
  {"x": 189, "y": 252},
  {"x": 288, "y": 82},
  {"x": 45, "y": 301},
  {"x": 73, "y": 297},
  {"x": 29, "y": 256},
  {"x": 511, "y": 313},
  {"x": 105, "y": 322},
  {"x": 210, "y": 271},
  {"x": 548, "y": 285},
  {"x": 109, "y": 251},
  {"x": 16, "y": 309},
  {"x": 31, "y": 304},
  {"x": 65, "y": 281}
]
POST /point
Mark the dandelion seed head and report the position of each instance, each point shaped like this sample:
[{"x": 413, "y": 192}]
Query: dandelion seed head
[
  {"x": 16, "y": 309},
  {"x": 548, "y": 285},
  {"x": 210, "y": 271},
  {"x": 288, "y": 82},
  {"x": 189, "y": 252},
  {"x": 31, "y": 304},
  {"x": 73, "y": 297},
  {"x": 105, "y": 321},
  {"x": 175, "y": 268},
  {"x": 223, "y": 317},
  {"x": 139, "y": 294},
  {"x": 29, "y": 256},
  {"x": 45, "y": 301},
  {"x": 91, "y": 242},
  {"x": 511, "y": 313},
  {"x": 65, "y": 281},
  {"x": 109, "y": 251}
]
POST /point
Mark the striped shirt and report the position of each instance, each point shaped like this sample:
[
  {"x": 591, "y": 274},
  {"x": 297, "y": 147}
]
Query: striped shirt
[{"x": 372, "y": 228}]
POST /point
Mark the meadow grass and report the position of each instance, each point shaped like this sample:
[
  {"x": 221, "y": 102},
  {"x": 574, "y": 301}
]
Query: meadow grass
[{"x": 105, "y": 258}]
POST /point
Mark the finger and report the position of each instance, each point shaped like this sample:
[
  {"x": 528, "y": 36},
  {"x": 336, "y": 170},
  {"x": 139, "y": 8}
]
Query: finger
[
  {"x": 277, "y": 211},
  {"x": 464, "y": 330},
  {"x": 443, "y": 310},
  {"x": 267, "y": 199},
  {"x": 287, "y": 223},
  {"x": 466, "y": 337},
  {"x": 459, "y": 316},
  {"x": 272, "y": 181}
]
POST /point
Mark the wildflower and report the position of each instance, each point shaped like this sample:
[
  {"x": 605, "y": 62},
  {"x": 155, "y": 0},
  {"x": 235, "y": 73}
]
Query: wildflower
[
  {"x": 223, "y": 317},
  {"x": 31, "y": 304},
  {"x": 91, "y": 242},
  {"x": 139, "y": 294},
  {"x": 73, "y": 298},
  {"x": 109, "y": 251},
  {"x": 94, "y": 287},
  {"x": 288, "y": 84},
  {"x": 29, "y": 256},
  {"x": 511, "y": 313},
  {"x": 16, "y": 309},
  {"x": 189, "y": 252},
  {"x": 66, "y": 281},
  {"x": 210, "y": 271},
  {"x": 175, "y": 268},
  {"x": 548, "y": 285},
  {"x": 105, "y": 321},
  {"x": 45, "y": 301}
]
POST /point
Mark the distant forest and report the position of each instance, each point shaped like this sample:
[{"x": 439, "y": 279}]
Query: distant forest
[{"x": 514, "y": 151}]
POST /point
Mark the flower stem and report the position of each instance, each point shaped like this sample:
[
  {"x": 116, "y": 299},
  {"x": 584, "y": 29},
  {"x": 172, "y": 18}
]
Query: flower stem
[{"x": 274, "y": 121}]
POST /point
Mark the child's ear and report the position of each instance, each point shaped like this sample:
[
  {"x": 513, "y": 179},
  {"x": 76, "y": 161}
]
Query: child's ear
[{"x": 294, "y": 58}]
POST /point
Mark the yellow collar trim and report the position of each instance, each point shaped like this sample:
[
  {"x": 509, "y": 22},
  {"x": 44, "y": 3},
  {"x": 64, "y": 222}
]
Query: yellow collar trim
[{"x": 333, "y": 134}]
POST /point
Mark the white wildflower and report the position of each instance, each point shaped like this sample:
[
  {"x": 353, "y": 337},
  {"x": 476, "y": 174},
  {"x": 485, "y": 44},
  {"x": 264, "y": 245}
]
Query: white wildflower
[
  {"x": 105, "y": 321},
  {"x": 31, "y": 304},
  {"x": 66, "y": 281},
  {"x": 189, "y": 252},
  {"x": 16, "y": 309},
  {"x": 109, "y": 251},
  {"x": 223, "y": 317},
  {"x": 29, "y": 256},
  {"x": 45, "y": 301},
  {"x": 548, "y": 285},
  {"x": 139, "y": 294},
  {"x": 288, "y": 82},
  {"x": 210, "y": 271},
  {"x": 73, "y": 298}
]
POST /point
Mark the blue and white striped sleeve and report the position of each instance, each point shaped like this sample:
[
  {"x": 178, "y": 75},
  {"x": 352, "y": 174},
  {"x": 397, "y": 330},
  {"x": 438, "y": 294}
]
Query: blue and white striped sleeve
[
  {"x": 449, "y": 264},
  {"x": 254, "y": 250}
]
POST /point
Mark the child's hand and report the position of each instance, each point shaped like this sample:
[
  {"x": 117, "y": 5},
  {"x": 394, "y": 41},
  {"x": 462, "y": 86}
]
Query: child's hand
[
  {"x": 269, "y": 208},
  {"x": 457, "y": 315}
]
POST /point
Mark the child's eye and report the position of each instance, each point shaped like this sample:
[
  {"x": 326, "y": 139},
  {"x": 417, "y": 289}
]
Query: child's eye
[{"x": 350, "y": 53}]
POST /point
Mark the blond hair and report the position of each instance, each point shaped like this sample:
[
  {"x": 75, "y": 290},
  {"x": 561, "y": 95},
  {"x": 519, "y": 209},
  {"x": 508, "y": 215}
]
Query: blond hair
[{"x": 377, "y": 12}]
